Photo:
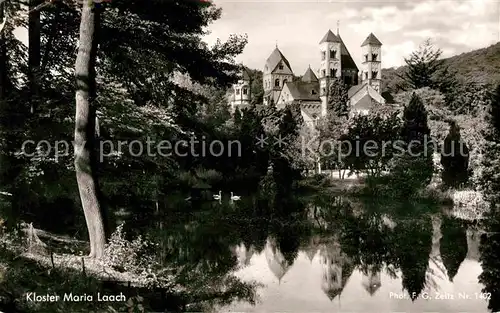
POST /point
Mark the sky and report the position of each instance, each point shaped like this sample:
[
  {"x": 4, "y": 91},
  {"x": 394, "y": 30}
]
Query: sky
[{"x": 297, "y": 26}]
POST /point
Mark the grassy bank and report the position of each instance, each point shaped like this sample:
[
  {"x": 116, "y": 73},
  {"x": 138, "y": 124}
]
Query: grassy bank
[{"x": 463, "y": 202}]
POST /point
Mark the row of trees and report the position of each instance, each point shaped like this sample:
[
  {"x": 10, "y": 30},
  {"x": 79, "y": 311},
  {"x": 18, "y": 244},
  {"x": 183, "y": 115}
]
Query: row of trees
[
  {"x": 122, "y": 81},
  {"x": 431, "y": 103},
  {"x": 395, "y": 142}
]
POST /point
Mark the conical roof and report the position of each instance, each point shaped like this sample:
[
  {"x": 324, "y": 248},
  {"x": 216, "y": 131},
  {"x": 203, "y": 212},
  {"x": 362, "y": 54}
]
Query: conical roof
[
  {"x": 346, "y": 58},
  {"x": 309, "y": 76},
  {"x": 244, "y": 73},
  {"x": 275, "y": 259},
  {"x": 371, "y": 40},
  {"x": 333, "y": 291},
  {"x": 329, "y": 37},
  {"x": 243, "y": 253},
  {"x": 311, "y": 253},
  {"x": 372, "y": 287},
  {"x": 275, "y": 58}
]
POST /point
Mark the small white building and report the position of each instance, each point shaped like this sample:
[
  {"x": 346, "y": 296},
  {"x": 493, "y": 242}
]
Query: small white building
[{"x": 241, "y": 96}]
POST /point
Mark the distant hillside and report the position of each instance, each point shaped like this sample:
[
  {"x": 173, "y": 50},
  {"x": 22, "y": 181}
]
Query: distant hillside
[{"x": 482, "y": 65}]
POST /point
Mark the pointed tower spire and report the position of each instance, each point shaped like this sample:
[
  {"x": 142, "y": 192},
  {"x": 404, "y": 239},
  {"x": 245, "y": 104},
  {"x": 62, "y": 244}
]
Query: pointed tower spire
[
  {"x": 276, "y": 44},
  {"x": 338, "y": 26}
]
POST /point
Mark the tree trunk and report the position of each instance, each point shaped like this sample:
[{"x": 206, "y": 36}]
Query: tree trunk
[
  {"x": 34, "y": 54},
  {"x": 85, "y": 129},
  {"x": 3, "y": 53},
  {"x": 50, "y": 41}
]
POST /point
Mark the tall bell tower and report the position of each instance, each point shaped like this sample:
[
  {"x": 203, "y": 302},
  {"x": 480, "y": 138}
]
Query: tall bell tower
[
  {"x": 330, "y": 66},
  {"x": 372, "y": 62}
]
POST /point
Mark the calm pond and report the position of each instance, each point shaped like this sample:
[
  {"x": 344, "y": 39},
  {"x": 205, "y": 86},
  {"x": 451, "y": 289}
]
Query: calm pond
[
  {"x": 321, "y": 253},
  {"x": 331, "y": 254}
]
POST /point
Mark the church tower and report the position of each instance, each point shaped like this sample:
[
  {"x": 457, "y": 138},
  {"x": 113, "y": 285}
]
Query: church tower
[
  {"x": 372, "y": 62},
  {"x": 241, "y": 91},
  {"x": 330, "y": 66},
  {"x": 277, "y": 72}
]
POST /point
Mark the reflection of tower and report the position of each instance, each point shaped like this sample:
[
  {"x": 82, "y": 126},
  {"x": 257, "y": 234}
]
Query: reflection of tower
[
  {"x": 473, "y": 241},
  {"x": 312, "y": 247},
  {"x": 243, "y": 254},
  {"x": 436, "y": 236},
  {"x": 275, "y": 259},
  {"x": 336, "y": 269},
  {"x": 371, "y": 281}
]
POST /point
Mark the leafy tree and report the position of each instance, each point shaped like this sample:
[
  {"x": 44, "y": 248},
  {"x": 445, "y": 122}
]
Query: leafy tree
[
  {"x": 454, "y": 158},
  {"x": 332, "y": 129},
  {"x": 338, "y": 98},
  {"x": 490, "y": 181},
  {"x": 413, "y": 167},
  {"x": 371, "y": 138},
  {"x": 469, "y": 98},
  {"x": 283, "y": 155},
  {"x": 257, "y": 87},
  {"x": 415, "y": 126}
]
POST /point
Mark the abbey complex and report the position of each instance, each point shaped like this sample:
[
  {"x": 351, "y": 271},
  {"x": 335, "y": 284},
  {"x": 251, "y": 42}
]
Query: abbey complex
[{"x": 311, "y": 90}]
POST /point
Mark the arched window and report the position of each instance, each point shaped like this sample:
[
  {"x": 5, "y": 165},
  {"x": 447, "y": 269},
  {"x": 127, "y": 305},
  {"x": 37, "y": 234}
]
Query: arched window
[
  {"x": 333, "y": 54},
  {"x": 237, "y": 91},
  {"x": 284, "y": 82},
  {"x": 245, "y": 90},
  {"x": 276, "y": 82},
  {"x": 315, "y": 119}
]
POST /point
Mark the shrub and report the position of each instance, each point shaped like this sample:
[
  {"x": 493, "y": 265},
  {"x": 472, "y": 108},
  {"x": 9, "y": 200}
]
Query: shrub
[{"x": 135, "y": 257}]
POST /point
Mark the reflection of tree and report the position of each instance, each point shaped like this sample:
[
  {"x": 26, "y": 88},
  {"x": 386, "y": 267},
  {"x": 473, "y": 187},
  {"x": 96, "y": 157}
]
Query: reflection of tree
[
  {"x": 365, "y": 239},
  {"x": 453, "y": 245},
  {"x": 412, "y": 246},
  {"x": 276, "y": 261},
  {"x": 490, "y": 259}
]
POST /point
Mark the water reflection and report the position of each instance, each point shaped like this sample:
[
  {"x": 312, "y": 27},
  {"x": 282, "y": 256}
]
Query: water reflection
[{"x": 342, "y": 255}]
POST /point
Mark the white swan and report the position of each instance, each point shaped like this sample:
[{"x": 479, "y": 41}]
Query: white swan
[
  {"x": 219, "y": 196},
  {"x": 234, "y": 198}
]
